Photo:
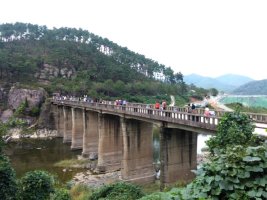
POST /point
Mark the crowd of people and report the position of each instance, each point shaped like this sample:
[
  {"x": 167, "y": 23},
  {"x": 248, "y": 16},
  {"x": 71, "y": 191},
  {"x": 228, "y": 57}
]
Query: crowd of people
[{"x": 190, "y": 108}]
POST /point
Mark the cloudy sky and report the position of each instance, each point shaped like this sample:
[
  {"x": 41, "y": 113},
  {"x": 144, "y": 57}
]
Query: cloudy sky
[{"x": 207, "y": 37}]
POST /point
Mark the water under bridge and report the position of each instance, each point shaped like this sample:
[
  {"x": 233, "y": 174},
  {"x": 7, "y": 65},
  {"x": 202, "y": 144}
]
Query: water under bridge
[{"x": 121, "y": 137}]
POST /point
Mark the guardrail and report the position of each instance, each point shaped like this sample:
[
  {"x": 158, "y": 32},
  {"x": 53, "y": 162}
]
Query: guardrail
[{"x": 175, "y": 115}]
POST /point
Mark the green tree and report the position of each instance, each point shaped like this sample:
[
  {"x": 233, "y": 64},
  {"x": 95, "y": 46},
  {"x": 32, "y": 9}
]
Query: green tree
[
  {"x": 8, "y": 186},
  {"x": 36, "y": 185},
  {"x": 235, "y": 128},
  {"x": 213, "y": 92}
]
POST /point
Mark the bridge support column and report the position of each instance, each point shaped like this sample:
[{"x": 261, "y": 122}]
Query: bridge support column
[
  {"x": 54, "y": 116},
  {"x": 67, "y": 124},
  {"x": 77, "y": 128},
  {"x": 90, "y": 135},
  {"x": 110, "y": 143},
  {"x": 137, "y": 163},
  {"x": 178, "y": 155},
  {"x": 60, "y": 121}
]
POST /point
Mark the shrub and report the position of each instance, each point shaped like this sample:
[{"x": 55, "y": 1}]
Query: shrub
[
  {"x": 80, "y": 192},
  {"x": 36, "y": 185},
  {"x": 235, "y": 128},
  {"x": 16, "y": 122},
  {"x": 118, "y": 191},
  {"x": 175, "y": 193},
  {"x": 35, "y": 111},
  {"x": 3, "y": 131},
  {"x": 8, "y": 186},
  {"x": 61, "y": 194},
  {"x": 21, "y": 108},
  {"x": 238, "y": 173}
]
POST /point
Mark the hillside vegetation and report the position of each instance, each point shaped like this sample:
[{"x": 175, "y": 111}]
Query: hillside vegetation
[{"x": 77, "y": 62}]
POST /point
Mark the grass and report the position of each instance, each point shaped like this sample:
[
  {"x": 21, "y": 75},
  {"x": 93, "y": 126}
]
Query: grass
[
  {"x": 151, "y": 188},
  {"x": 80, "y": 192},
  {"x": 72, "y": 163}
]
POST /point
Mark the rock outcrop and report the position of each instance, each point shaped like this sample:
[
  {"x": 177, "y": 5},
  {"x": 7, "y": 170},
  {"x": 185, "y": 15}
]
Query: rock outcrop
[
  {"x": 48, "y": 72},
  {"x": 46, "y": 118},
  {"x": 35, "y": 97},
  {"x": 5, "y": 115}
]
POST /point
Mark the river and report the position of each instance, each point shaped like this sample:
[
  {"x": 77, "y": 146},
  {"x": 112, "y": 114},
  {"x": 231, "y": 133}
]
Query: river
[{"x": 31, "y": 154}]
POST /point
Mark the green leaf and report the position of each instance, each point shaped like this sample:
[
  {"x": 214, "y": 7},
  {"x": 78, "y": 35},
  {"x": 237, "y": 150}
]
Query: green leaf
[
  {"x": 259, "y": 192},
  {"x": 218, "y": 178},
  {"x": 251, "y": 159},
  {"x": 209, "y": 179},
  {"x": 243, "y": 174},
  {"x": 239, "y": 186},
  {"x": 261, "y": 181},
  {"x": 223, "y": 185},
  {"x": 252, "y": 193},
  {"x": 254, "y": 169},
  {"x": 264, "y": 194},
  {"x": 216, "y": 191}
]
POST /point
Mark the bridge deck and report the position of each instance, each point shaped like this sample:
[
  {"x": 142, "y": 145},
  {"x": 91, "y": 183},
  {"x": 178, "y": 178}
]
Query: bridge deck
[{"x": 172, "y": 117}]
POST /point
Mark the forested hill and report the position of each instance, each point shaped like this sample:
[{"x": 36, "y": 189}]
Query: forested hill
[
  {"x": 48, "y": 48},
  {"x": 253, "y": 88},
  {"x": 74, "y": 61}
]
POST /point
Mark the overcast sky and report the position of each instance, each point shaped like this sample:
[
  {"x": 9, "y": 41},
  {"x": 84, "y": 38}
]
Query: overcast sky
[{"x": 207, "y": 37}]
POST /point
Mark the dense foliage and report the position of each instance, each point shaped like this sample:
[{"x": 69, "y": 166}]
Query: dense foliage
[
  {"x": 8, "y": 186},
  {"x": 173, "y": 194},
  {"x": 118, "y": 191},
  {"x": 36, "y": 185},
  {"x": 235, "y": 128},
  {"x": 61, "y": 194},
  {"x": 3, "y": 131},
  {"x": 239, "y": 173}
]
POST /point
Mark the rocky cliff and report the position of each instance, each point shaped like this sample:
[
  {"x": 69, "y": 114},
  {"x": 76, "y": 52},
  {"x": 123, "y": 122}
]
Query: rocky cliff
[
  {"x": 48, "y": 72},
  {"x": 35, "y": 97},
  {"x": 11, "y": 100}
]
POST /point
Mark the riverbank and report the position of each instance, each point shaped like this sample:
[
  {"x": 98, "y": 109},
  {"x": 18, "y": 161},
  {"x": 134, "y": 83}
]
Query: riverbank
[
  {"x": 85, "y": 175},
  {"x": 18, "y": 133}
]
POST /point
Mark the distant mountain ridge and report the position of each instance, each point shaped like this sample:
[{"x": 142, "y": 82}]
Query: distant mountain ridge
[
  {"x": 252, "y": 88},
  {"x": 227, "y": 82}
]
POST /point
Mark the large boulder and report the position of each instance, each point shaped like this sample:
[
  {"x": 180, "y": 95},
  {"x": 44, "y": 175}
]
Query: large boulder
[
  {"x": 35, "y": 97},
  {"x": 5, "y": 115}
]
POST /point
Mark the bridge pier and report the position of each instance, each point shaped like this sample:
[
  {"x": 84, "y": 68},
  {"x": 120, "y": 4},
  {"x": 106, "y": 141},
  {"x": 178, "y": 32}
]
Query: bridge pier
[
  {"x": 90, "y": 134},
  {"x": 178, "y": 155},
  {"x": 60, "y": 121},
  {"x": 137, "y": 162},
  {"x": 77, "y": 128},
  {"x": 110, "y": 143},
  {"x": 54, "y": 116},
  {"x": 67, "y": 113}
]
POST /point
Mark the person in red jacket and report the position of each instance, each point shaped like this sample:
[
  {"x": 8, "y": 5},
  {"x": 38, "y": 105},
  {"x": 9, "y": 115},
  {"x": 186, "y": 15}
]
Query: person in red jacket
[{"x": 157, "y": 105}]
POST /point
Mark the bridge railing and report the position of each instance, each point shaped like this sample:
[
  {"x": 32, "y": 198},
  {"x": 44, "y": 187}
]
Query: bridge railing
[
  {"x": 176, "y": 115},
  {"x": 256, "y": 117}
]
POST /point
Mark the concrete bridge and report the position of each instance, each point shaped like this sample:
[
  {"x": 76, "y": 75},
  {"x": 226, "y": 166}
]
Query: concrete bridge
[{"x": 121, "y": 137}]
